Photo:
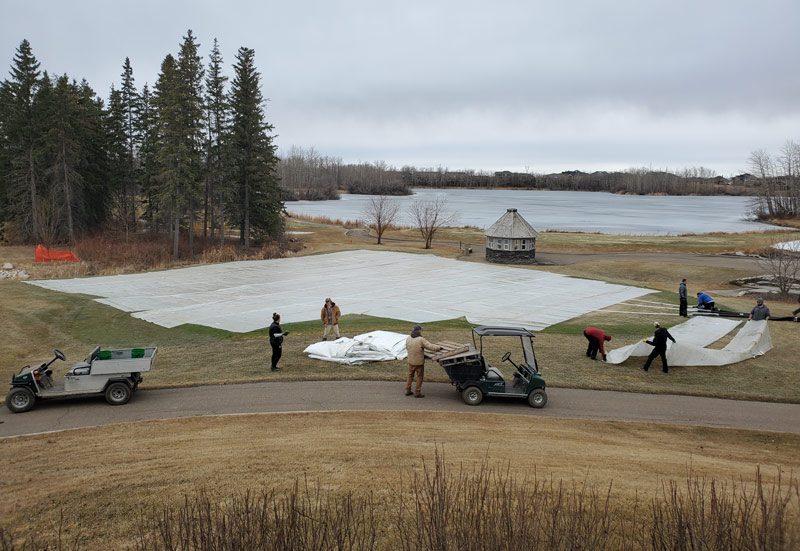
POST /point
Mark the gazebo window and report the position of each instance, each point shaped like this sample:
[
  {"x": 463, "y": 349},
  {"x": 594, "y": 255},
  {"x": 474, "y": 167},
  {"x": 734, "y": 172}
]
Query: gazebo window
[
  {"x": 506, "y": 244},
  {"x": 524, "y": 244},
  {"x": 516, "y": 244}
]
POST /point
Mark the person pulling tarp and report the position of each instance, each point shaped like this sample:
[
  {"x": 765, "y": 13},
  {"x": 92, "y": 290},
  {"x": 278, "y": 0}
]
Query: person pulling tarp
[
  {"x": 596, "y": 338},
  {"x": 694, "y": 335},
  {"x": 44, "y": 254}
]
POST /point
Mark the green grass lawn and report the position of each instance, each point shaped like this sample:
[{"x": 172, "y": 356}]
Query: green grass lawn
[{"x": 36, "y": 320}]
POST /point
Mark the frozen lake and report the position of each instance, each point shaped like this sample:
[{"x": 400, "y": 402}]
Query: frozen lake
[{"x": 577, "y": 211}]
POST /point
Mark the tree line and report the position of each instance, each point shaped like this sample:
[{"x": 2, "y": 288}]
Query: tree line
[
  {"x": 305, "y": 174},
  {"x": 191, "y": 154}
]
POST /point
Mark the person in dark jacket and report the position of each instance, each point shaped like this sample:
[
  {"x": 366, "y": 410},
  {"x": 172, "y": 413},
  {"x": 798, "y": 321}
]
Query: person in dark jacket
[
  {"x": 276, "y": 335},
  {"x": 596, "y": 338},
  {"x": 759, "y": 311},
  {"x": 682, "y": 311},
  {"x": 705, "y": 302},
  {"x": 659, "y": 344}
]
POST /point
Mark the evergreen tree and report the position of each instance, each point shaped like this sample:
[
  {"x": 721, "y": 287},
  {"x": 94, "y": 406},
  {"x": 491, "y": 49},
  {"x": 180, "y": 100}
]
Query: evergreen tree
[
  {"x": 252, "y": 154},
  {"x": 94, "y": 167},
  {"x": 216, "y": 126},
  {"x": 21, "y": 143},
  {"x": 190, "y": 92},
  {"x": 118, "y": 156},
  {"x": 146, "y": 129},
  {"x": 130, "y": 107},
  {"x": 166, "y": 144},
  {"x": 63, "y": 151}
]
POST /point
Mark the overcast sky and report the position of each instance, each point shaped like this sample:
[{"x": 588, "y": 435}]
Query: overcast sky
[{"x": 532, "y": 85}]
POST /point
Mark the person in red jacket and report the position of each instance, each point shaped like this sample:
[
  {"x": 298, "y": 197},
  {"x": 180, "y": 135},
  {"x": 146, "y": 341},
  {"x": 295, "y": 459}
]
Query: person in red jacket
[{"x": 596, "y": 338}]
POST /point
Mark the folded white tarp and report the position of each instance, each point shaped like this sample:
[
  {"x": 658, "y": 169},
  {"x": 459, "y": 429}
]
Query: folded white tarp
[
  {"x": 693, "y": 336},
  {"x": 376, "y": 346}
]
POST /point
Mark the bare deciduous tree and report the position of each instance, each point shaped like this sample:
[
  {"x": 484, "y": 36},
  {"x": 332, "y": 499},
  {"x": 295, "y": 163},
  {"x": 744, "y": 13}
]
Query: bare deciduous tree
[
  {"x": 783, "y": 264},
  {"x": 380, "y": 213},
  {"x": 779, "y": 181},
  {"x": 431, "y": 215}
]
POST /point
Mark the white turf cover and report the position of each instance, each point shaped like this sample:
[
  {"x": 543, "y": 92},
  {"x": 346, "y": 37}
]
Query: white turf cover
[
  {"x": 693, "y": 336},
  {"x": 369, "y": 347},
  {"x": 418, "y": 288}
]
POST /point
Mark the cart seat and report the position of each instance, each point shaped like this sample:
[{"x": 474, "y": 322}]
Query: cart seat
[
  {"x": 494, "y": 374},
  {"x": 81, "y": 368}
]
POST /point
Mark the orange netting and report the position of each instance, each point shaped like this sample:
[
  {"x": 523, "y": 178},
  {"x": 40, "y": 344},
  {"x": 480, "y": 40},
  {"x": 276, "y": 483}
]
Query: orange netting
[{"x": 47, "y": 255}]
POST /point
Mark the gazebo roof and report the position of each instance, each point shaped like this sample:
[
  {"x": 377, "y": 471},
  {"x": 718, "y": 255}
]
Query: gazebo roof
[{"x": 511, "y": 225}]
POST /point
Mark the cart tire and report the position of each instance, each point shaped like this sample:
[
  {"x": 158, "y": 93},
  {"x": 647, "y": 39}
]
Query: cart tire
[
  {"x": 118, "y": 394},
  {"x": 472, "y": 396},
  {"x": 20, "y": 399},
  {"x": 537, "y": 398}
]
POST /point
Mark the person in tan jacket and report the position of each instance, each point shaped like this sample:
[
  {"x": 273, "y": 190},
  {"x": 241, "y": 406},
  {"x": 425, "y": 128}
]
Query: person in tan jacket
[
  {"x": 330, "y": 318},
  {"x": 416, "y": 345}
]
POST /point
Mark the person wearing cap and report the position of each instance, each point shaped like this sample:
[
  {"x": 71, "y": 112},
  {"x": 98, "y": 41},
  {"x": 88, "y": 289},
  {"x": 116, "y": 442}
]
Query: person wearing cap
[
  {"x": 416, "y": 345},
  {"x": 682, "y": 310},
  {"x": 759, "y": 311},
  {"x": 596, "y": 338},
  {"x": 659, "y": 344},
  {"x": 330, "y": 318},
  {"x": 705, "y": 302}
]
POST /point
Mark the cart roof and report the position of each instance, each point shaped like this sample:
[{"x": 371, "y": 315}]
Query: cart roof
[{"x": 499, "y": 331}]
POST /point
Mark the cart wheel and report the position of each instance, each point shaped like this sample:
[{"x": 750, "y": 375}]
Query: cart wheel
[
  {"x": 20, "y": 399},
  {"x": 472, "y": 396},
  {"x": 118, "y": 394},
  {"x": 537, "y": 398}
]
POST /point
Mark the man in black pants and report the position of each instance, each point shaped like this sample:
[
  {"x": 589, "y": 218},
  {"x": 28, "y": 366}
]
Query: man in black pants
[
  {"x": 682, "y": 295},
  {"x": 659, "y": 344}
]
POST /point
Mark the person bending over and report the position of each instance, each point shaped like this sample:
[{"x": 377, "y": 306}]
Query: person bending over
[{"x": 596, "y": 338}]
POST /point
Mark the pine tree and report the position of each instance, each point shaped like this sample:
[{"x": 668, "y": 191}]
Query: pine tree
[
  {"x": 252, "y": 154},
  {"x": 94, "y": 167},
  {"x": 167, "y": 147},
  {"x": 119, "y": 161},
  {"x": 130, "y": 107},
  {"x": 64, "y": 153},
  {"x": 216, "y": 126},
  {"x": 146, "y": 129},
  {"x": 21, "y": 142},
  {"x": 190, "y": 89}
]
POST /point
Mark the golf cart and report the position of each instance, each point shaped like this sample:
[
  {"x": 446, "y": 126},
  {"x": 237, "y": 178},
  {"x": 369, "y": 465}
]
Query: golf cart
[
  {"x": 474, "y": 378},
  {"x": 116, "y": 373}
]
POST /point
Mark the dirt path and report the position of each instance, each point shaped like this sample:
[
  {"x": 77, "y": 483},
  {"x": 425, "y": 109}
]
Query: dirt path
[{"x": 277, "y": 397}]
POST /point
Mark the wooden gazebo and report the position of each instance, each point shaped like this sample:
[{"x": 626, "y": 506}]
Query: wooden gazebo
[{"x": 511, "y": 240}]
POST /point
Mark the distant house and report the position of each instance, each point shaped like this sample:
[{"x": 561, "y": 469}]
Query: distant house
[
  {"x": 511, "y": 240},
  {"x": 744, "y": 180}
]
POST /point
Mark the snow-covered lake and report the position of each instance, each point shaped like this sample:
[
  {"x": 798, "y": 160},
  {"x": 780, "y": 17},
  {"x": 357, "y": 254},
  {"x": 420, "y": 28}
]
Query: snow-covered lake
[{"x": 567, "y": 210}]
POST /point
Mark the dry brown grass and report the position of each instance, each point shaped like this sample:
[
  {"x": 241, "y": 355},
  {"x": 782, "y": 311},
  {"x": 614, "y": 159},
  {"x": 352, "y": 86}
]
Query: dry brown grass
[
  {"x": 101, "y": 477},
  {"x": 112, "y": 254},
  {"x": 566, "y": 242}
]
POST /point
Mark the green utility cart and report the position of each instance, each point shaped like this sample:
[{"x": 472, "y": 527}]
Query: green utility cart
[{"x": 474, "y": 378}]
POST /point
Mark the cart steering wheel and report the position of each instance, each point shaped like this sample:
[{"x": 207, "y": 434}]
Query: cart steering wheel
[
  {"x": 506, "y": 356},
  {"x": 60, "y": 355}
]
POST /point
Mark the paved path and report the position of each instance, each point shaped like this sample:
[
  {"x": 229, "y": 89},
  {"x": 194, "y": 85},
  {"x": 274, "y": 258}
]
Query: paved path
[{"x": 388, "y": 396}]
